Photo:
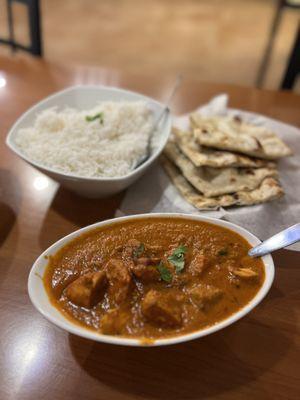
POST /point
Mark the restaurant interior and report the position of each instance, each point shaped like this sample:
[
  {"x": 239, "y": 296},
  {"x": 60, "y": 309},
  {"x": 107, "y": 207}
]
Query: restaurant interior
[
  {"x": 149, "y": 199},
  {"x": 212, "y": 37}
]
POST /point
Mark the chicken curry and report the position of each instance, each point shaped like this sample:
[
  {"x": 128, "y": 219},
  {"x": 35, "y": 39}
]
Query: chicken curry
[{"x": 153, "y": 278}]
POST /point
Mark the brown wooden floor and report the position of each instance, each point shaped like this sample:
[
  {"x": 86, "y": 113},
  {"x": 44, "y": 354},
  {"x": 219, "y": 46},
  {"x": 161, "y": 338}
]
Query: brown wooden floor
[{"x": 213, "y": 40}]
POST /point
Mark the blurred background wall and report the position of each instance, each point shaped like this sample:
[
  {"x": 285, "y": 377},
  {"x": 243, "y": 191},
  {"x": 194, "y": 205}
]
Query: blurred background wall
[{"x": 213, "y": 40}]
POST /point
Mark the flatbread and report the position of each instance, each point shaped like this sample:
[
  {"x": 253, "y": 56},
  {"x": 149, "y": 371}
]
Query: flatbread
[
  {"x": 268, "y": 190},
  {"x": 217, "y": 181},
  {"x": 204, "y": 156},
  {"x": 231, "y": 133}
]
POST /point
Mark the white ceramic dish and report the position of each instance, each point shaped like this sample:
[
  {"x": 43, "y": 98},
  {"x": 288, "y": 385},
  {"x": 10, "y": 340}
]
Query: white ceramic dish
[
  {"x": 85, "y": 97},
  {"x": 41, "y": 301}
]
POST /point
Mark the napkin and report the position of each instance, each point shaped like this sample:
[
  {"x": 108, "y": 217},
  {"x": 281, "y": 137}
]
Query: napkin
[{"x": 154, "y": 192}]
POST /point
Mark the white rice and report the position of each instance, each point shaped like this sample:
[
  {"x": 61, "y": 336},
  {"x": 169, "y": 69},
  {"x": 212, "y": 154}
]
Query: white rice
[{"x": 66, "y": 142}]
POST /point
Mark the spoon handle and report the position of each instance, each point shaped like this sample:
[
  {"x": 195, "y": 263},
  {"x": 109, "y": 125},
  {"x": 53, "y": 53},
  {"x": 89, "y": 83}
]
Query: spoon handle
[
  {"x": 164, "y": 111},
  {"x": 168, "y": 101},
  {"x": 282, "y": 239}
]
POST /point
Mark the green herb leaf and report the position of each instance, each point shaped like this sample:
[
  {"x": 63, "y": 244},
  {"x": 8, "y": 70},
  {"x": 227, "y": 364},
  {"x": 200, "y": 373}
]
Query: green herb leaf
[
  {"x": 177, "y": 258},
  {"x": 180, "y": 250},
  {"x": 139, "y": 250},
  {"x": 165, "y": 274},
  {"x": 90, "y": 118},
  {"x": 223, "y": 252}
]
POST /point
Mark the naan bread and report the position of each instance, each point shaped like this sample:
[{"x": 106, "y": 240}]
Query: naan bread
[
  {"x": 231, "y": 133},
  {"x": 204, "y": 156},
  {"x": 217, "y": 181},
  {"x": 268, "y": 190}
]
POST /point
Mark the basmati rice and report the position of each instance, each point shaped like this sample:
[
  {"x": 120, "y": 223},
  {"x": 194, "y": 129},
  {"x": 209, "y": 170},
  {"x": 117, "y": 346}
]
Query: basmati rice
[{"x": 108, "y": 146}]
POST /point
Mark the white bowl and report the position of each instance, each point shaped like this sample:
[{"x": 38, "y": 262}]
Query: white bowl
[
  {"x": 85, "y": 97},
  {"x": 41, "y": 301}
]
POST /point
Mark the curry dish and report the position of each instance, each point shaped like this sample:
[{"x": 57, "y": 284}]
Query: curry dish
[{"x": 153, "y": 278}]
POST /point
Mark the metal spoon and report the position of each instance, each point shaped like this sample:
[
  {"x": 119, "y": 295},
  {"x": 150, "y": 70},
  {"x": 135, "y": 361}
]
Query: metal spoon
[
  {"x": 282, "y": 239},
  {"x": 164, "y": 111}
]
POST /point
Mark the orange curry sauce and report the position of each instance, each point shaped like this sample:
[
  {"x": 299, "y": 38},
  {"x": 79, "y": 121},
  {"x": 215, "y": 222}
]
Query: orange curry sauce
[{"x": 153, "y": 278}]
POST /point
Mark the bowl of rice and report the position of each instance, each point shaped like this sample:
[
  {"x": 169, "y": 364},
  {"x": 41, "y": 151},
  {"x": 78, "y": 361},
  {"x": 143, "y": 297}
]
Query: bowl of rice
[{"x": 93, "y": 140}]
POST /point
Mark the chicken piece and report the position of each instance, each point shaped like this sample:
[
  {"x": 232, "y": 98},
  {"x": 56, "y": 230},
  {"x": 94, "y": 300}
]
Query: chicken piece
[
  {"x": 204, "y": 295},
  {"x": 198, "y": 264},
  {"x": 148, "y": 260},
  {"x": 114, "y": 322},
  {"x": 162, "y": 309},
  {"x": 146, "y": 270},
  {"x": 88, "y": 289},
  {"x": 61, "y": 278},
  {"x": 146, "y": 273},
  {"x": 246, "y": 262},
  {"x": 245, "y": 274},
  {"x": 140, "y": 261},
  {"x": 119, "y": 280},
  {"x": 129, "y": 249}
]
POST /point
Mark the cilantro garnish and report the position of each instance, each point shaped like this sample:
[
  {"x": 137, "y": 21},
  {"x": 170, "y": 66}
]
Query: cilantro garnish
[
  {"x": 90, "y": 118},
  {"x": 165, "y": 274},
  {"x": 177, "y": 258},
  {"x": 139, "y": 250}
]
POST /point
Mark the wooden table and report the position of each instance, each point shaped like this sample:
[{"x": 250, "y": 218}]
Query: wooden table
[{"x": 257, "y": 358}]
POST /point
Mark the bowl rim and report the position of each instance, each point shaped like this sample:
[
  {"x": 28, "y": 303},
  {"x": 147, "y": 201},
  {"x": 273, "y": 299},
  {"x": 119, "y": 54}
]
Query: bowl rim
[
  {"x": 167, "y": 123},
  {"x": 87, "y": 333}
]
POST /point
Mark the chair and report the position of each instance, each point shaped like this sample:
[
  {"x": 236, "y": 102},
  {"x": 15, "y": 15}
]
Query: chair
[
  {"x": 293, "y": 66},
  {"x": 281, "y": 4},
  {"x": 35, "y": 46}
]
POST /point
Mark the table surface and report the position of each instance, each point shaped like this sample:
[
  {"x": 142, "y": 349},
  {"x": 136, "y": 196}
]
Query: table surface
[{"x": 258, "y": 357}]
